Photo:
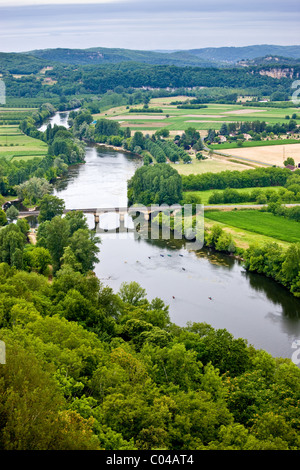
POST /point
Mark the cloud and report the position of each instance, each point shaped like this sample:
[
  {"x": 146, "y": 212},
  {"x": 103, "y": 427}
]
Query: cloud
[
  {"x": 143, "y": 24},
  {"x": 171, "y": 5},
  {"x": 23, "y": 3}
]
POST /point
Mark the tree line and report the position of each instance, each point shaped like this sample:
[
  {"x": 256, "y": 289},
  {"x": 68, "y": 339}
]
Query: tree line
[
  {"x": 289, "y": 193},
  {"x": 257, "y": 177},
  {"x": 88, "y": 368}
]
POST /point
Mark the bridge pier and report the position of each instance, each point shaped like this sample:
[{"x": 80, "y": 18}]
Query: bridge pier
[{"x": 122, "y": 227}]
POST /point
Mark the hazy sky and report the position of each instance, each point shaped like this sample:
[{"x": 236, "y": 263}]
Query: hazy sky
[{"x": 142, "y": 24}]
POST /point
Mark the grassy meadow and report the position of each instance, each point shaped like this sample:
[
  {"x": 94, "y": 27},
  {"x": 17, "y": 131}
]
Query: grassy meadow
[
  {"x": 254, "y": 143},
  {"x": 16, "y": 145},
  {"x": 262, "y": 223},
  {"x": 13, "y": 116}
]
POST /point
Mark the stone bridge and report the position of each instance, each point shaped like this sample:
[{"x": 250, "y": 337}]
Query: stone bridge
[{"x": 122, "y": 212}]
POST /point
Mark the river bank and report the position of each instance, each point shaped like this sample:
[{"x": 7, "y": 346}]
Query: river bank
[
  {"x": 248, "y": 305},
  {"x": 116, "y": 149}
]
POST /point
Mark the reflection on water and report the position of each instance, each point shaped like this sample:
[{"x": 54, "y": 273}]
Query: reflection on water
[
  {"x": 276, "y": 293},
  {"x": 60, "y": 119},
  {"x": 100, "y": 182},
  {"x": 167, "y": 271}
]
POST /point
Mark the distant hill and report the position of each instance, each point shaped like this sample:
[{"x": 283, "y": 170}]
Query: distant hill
[
  {"x": 16, "y": 63},
  {"x": 205, "y": 57},
  {"x": 101, "y": 55},
  {"x": 269, "y": 61},
  {"x": 249, "y": 56},
  {"x": 236, "y": 54}
]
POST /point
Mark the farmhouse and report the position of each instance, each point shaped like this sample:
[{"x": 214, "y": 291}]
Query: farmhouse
[{"x": 291, "y": 167}]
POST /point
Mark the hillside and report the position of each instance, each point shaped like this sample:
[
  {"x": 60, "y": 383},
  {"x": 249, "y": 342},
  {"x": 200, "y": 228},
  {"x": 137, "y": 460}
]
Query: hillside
[
  {"x": 16, "y": 63},
  {"x": 98, "y": 56},
  {"x": 205, "y": 57},
  {"x": 236, "y": 54}
]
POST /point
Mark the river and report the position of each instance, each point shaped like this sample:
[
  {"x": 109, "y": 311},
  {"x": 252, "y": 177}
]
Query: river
[{"x": 248, "y": 305}]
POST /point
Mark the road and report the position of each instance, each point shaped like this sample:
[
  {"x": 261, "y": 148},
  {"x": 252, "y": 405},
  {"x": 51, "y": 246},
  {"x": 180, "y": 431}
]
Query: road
[{"x": 228, "y": 207}]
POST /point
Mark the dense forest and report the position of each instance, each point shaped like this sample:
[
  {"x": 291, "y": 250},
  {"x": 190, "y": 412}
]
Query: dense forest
[
  {"x": 109, "y": 370},
  {"x": 99, "y": 79},
  {"x": 27, "y": 76}
]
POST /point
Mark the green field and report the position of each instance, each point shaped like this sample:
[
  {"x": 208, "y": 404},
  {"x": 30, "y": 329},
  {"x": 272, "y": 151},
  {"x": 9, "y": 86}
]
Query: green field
[
  {"x": 13, "y": 116},
  {"x": 211, "y": 117},
  {"x": 16, "y": 145},
  {"x": 254, "y": 143},
  {"x": 213, "y": 165},
  {"x": 262, "y": 223}
]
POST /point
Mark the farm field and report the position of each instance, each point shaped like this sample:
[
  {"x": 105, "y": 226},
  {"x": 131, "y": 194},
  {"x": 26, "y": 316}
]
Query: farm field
[
  {"x": 269, "y": 155},
  {"x": 13, "y": 116},
  {"x": 177, "y": 120},
  {"x": 213, "y": 165},
  {"x": 262, "y": 223},
  {"x": 254, "y": 143},
  {"x": 15, "y": 145},
  {"x": 244, "y": 238}
]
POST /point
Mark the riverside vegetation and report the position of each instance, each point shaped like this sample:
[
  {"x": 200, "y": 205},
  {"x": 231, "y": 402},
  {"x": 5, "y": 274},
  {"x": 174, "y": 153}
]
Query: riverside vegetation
[{"x": 107, "y": 370}]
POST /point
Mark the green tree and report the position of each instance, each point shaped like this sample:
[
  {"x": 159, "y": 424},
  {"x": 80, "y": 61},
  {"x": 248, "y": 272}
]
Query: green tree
[
  {"x": 54, "y": 236},
  {"x": 76, "y": 220},
  {"x": 165, "y": 133},
  {"x": 12, "y": 213},
  {"x": 84, "y": 245},
  {"x": 50, "y": 207},
  {"x": 12, "y": 242},
  {"x": 3, "y": 218},
  {"x": 132, "y": 293},
  {"x": 37, "y": 259},
  {"x": 225, "y": 243},
  {"x": 33, "y": 413},
  {"x": 157, "y": 184},
  {"x": 289, "y": 161},
  {"x": 33, "y": 190}
]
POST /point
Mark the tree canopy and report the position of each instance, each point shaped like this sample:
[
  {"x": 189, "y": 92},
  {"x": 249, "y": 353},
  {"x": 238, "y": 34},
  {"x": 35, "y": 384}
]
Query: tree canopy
[{"x": 157, "y": 184}]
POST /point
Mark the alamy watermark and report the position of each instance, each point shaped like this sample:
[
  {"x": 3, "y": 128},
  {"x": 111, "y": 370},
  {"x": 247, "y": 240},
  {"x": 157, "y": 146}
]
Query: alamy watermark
[
  {"x": 296, "y": 93},
  {"x": 158, "y": 222},
  {"x": 296, "y": 354},
  {"x": 2, "y": 92},
  {"x": 2, "y": 353}
]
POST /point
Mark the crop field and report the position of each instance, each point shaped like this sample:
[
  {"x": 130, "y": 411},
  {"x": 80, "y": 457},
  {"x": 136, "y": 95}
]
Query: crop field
[
  {"x": 255, "y": 143},
  {"x": 269, "y": 155},
  {"x": 13, "y": 116},
  {"x": 213, "y": 165},
  {"x": 177, "y": 120},
  {"x": 15, "y": 145},
  {"x": 262, "y": 223}
]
